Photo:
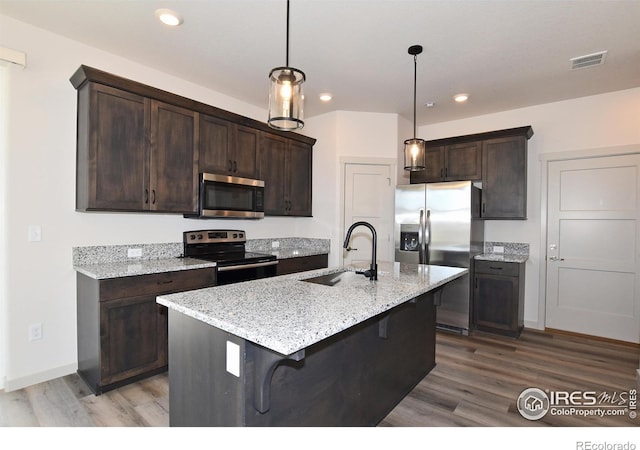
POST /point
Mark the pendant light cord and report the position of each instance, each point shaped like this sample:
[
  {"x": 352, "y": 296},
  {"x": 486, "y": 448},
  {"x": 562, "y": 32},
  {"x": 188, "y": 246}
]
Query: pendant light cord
[
  {"x": 415, "y": 78},
  {"x": 287, "y": 61}
]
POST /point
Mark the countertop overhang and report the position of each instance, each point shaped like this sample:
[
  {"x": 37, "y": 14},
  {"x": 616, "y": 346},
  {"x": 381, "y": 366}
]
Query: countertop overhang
[{"x": 286, "y": 314}]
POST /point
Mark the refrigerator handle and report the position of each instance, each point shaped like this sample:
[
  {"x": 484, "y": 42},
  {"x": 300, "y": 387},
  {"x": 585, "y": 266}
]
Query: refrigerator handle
[
  {"x": 421, "y": 255},
  {"x": 427, "y": 239}
]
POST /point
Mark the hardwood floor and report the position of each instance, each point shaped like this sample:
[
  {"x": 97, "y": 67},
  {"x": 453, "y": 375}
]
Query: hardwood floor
[{"x": 476, "y": 382}]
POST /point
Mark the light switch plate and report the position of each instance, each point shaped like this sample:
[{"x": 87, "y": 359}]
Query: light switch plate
[{"x": 35, "y": 233}]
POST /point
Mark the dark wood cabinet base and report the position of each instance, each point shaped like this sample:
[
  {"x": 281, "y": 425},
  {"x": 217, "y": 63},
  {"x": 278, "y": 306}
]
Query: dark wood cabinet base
[{"x": 353, "y": 378}]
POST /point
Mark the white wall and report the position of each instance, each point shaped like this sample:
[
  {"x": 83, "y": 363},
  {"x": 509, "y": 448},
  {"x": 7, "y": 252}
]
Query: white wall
[
  {"x": 41, "y": 191},
  {"x": 4, "y": 104},
  {"x": 346, "y": 135},
  {"x": 600, "y": 121}
]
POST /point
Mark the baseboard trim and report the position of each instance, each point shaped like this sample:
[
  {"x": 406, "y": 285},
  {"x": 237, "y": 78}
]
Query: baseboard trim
[
  {"x": 533, "y": 325},
  {"x": 595, "y": 338},
  {"x": 40, "y": 377}
]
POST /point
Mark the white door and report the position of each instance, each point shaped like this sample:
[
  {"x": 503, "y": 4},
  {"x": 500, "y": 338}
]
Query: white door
[
  {"x": 593, "y": 282},
  {"x": 368, "y": 196}
]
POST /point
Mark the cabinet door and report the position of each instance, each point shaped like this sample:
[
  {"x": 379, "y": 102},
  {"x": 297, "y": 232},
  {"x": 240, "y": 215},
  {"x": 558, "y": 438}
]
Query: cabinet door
[
  {"x": 272, "y": 171},
  {"x": 173, "y": 166},
  {"x": 504, "y": 178},
  {"x": 496, "y": 302},
  {"x": 133, "y": 334},
  {"x": 299, "y": 170},
  {"x": 463, "y": 162},
  {"x": 112, "y": 149},
  {"x": 215, "y": 136},
  {"x": 245, "y": 151},
  {"x": 434, "y": 170}
]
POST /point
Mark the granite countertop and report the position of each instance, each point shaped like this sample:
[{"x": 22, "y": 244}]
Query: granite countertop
[
  {"x": 285, "y": 314},
  {"x": 140, "y": 267},
  {"x": 505, "y": 257}
]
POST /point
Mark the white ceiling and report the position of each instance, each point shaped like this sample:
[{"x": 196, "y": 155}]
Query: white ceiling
[{"x": 506, "y": 54}]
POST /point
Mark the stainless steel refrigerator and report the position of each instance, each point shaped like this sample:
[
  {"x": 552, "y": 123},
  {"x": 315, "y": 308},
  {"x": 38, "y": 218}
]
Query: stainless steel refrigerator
[{"x": 439, "y": 224}]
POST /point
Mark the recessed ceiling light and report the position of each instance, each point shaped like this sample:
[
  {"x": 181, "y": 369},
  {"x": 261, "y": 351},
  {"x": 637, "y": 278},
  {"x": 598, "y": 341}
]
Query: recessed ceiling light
[
  {"x": 326, "y": 97},
  {"x": 460, "y": 98},
  {"x": 169, "y": 17}
]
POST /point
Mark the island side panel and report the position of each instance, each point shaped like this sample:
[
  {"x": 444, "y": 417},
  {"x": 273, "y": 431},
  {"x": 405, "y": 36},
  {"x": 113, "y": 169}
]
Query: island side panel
[
  {"x": 201, "y": 391},
  {"x": 354, "y": 378}
]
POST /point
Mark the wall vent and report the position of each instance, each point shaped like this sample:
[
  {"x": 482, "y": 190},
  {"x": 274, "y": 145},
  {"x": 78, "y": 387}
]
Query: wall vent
[{"x": 594, "y": 59}]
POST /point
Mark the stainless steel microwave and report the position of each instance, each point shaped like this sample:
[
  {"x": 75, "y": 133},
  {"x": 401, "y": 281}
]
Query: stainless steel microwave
[{"x": 233, "y": 197}]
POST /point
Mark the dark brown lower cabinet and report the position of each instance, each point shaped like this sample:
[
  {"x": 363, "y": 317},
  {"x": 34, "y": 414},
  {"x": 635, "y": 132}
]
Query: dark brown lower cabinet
[
  {"x": 122, "y": 331},
  {"x": 498, "y": 298},
  {"x": 303, "y": 263}
]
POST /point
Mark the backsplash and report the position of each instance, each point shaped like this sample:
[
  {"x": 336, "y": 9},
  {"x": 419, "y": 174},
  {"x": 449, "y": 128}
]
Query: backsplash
[
  {"x": 266, "y": 245},
  {"x": 103, "y": 254},
  {"x": 510, "y": 248}
]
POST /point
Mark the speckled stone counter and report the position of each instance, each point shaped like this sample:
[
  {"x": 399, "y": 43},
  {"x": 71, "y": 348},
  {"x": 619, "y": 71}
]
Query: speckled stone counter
[
  {"x": 502, "y": 257},
  {"x": 140, "y": 267},
  {"x": 285, "y": 314}
]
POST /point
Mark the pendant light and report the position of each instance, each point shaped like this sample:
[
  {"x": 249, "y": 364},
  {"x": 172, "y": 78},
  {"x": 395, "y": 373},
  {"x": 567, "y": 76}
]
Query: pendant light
[
  {"x": 285, "y": 94},
  {"x": 414, "y": 149}
]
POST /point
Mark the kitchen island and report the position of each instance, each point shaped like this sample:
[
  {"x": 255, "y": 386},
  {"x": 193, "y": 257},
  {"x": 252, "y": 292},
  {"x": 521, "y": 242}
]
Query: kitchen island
[{"x": 286, "y": 351}]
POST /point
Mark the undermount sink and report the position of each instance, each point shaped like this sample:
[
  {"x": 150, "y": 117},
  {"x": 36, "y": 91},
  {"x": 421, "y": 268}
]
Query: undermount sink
[{"x": 334, "y": 278}]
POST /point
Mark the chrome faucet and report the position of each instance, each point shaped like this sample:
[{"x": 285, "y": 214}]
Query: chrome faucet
[{"x": 372, "y": 273}]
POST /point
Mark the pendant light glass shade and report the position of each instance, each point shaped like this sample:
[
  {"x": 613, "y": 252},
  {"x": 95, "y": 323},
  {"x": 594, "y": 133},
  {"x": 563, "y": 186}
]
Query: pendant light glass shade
[
  {"x": 414, "y": 148},
  {"x": 286, "y": 99},
  {"x": 414, "y": 154}
]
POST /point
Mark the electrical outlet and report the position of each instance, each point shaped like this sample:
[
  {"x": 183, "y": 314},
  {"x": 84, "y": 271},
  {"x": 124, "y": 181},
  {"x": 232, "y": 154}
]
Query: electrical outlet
[
  {"x": 498, "y": 249},
  {"x": 233, "y": 358},
  {"x": 134, "y": 252},
  {"x": 275, "y": 244},
  {"x": 35, "y": 233},
  {"x": 35, "y": 332}
]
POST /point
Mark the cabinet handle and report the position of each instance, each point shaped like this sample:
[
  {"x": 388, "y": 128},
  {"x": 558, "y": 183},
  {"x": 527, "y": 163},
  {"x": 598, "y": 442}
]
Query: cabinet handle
[
  {"x": 153, "y": 196},
  {"x": 165, "y": 282},
  {"x": 495, "y": 268},
  {"x": 441, "y": 173},
  {"x": 446, "y": 172},
  {"x": 230, "y": 166},
  {"x": 235, "y": 166},
  {"x": 146, "y": 196},
  {"x": 476, "y": 282},
  {"x": 483, "y": 207}
]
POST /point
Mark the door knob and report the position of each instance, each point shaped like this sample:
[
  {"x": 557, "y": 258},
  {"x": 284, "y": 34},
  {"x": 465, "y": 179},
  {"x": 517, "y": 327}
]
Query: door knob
[
  {"x": 555, "y": 258},
  {"x": 350, "y": 249}
]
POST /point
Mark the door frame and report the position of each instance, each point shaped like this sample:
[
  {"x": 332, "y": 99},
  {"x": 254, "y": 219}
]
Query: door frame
[
  {"x": 344, "y": 160},
  {"x": 545, "y": 159}
]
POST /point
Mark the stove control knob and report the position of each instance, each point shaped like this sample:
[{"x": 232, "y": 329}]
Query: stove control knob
[
  {"x": 193, "y": 237},
  {"x": 235, "y": 235},
  {"x": 241, "y": 235},
  {"x": 199, "y": 236}
]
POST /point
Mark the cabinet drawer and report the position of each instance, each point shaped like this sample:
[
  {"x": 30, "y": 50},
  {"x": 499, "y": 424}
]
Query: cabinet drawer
[
  {"x": 304, "y": 263},
  {"x": 158, "y": 283},
  {"x": 508, "y": 269}
]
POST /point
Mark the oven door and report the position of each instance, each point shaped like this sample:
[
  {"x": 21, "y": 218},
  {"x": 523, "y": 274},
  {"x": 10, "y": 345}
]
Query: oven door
[
  {"x": 225, "y": 196},
  {"x": 236, "y": 273}
]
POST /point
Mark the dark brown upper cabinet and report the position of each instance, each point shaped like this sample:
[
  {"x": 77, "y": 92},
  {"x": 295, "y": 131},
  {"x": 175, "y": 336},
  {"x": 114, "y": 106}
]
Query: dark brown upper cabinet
[
  {"x": 504, "y": 178},
  {"x": 133, "y": 153},
  {"x": 140, "y": 149},
  {"x": 497, "y": 159},
  {"x": 286, "y": 168},
  {"x": 450, "y": 163},
  {"x": 227, "y": 148}
]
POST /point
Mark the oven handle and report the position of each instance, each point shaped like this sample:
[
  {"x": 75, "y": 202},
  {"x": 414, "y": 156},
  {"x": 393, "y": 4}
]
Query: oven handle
[{"x": 247, "y": 266}]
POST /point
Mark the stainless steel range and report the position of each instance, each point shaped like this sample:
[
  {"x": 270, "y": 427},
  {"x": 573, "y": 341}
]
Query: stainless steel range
[{"x": 227, "y": 249}]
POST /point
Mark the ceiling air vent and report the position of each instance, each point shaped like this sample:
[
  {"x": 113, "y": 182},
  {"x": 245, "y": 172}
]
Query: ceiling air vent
[{"x": 594, "y": 59}]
